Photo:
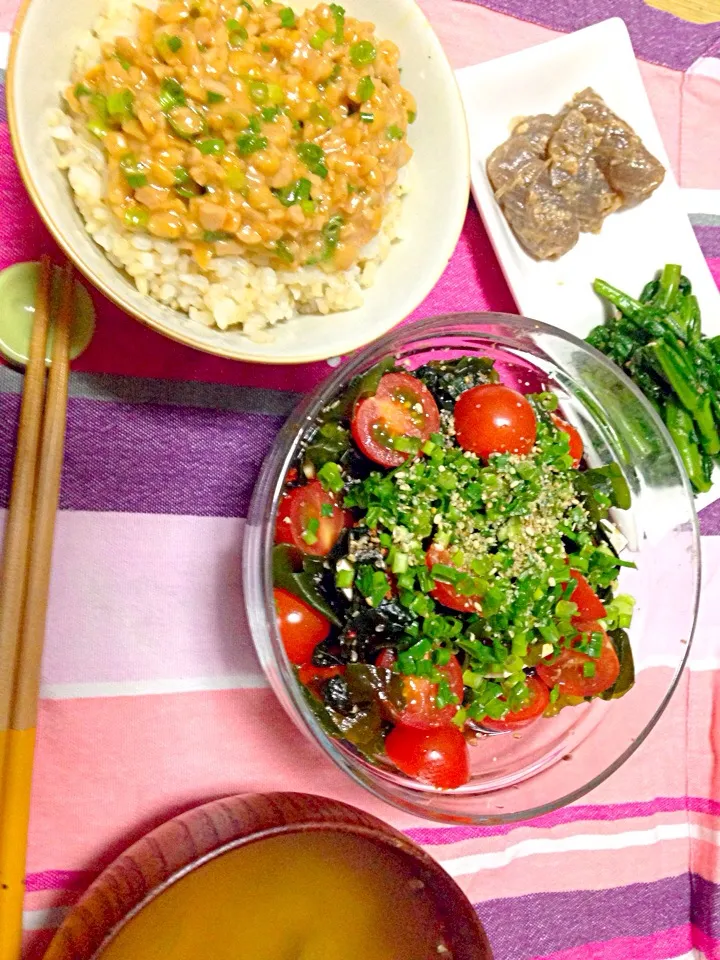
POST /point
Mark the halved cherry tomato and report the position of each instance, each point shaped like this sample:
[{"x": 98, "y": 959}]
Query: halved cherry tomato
[
  {"x": 534, "y": 708},
  {"x": 567, "y": 670},
  {"x": 420, "y": 709},
  {"x": 575, "y": 440},
  {"x": 301, "y": 627},
  {"x": 446, "y": 593},
  {"x": 401, "y": 407},
  {"x": 313, "y": 677},
  {"x": 301, "y": 519},
  {"x": 493, "y": 418},
  {"x": 590, "y": 606},
  {"x": 438, "y": 756}
]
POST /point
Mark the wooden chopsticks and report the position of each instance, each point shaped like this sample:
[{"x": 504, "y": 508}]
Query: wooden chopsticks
[{"x": 24, "y": 581}]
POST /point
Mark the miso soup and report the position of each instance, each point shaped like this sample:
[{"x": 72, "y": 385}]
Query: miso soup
[{"x": 305, "y": 896}]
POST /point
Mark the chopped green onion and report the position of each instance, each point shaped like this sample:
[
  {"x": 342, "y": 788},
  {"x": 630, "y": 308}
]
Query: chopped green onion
[
  {"x": 344, "y": 579},
  {"x": 565, "y": 610},
  {"x": 394, "y": 132},
  {"x": 237, "y": 37},
  {"x": 265, "y": 47},
  {"x": 405, "y": 444},
  {"x": 250, "y": 142},
  {"x": 313, "y": 157},
  {"x": 125, "y": 64},
  {"x": 589, "y": 669},
  {"x": 237, "y": 34},
  {"x": 308, "y": 206},
  {"x": 362, "y": 53},
  {"x": 339, "y": 13},
  {"x": 554, "y": 694},
  {"x": 97, "y": 127},
  {"x": 181, "y": 174},
  {"x": 269, "y": 113},
  {"x": 186, "y": 122},
  {"x": 82, "y": 91},
  {"x": 174, "y": 43},
  {"x": 400, "y": 563},
  {"x": 211, "y": 147},
  {"x": 442, "y": 656},
  {"x": 287, "y": 17},
  {"x": 326, "y": 510},
  {"x": 330, "y": 476},
  {"x": 132, "y": 171},
  {"x": 444, "y": 696},
  {"x": 365, "y": 89},
  {"x": 412, "y": 116},
  {"x": 318, "y": 39},
  {"x": 331, "y": 235},
  {"x": 214, "y": 236},
  {"x": 171, "y": 94},
  {"x": 136, "y": 217},
  {"x": 258, "y": 91},
  {"x": 445, "y": 573},
  {"x": 321, "y": 112},
  {"x": 367, "y": 116},
  {"x": 275, "y": 93},
  {"x": 282, "y": 251},
  {"x": 119, "y": 104},
  {"x": 213, "y": 97},
  {"x": 254, "y": 124},
  {"x": 308, "y": 536},
  {"x": 294, "y": 192}
]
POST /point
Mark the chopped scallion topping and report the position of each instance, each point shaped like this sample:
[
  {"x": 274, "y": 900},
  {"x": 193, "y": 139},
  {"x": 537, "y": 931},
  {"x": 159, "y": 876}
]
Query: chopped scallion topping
[
  {"x": 119, "y": 104},
  {"x": 282, "y": 251},
  {"x": 313, "y": 156},
  {"x": 365, "y": 89},
  {"x": 211, "y": 147},
  {"x": 171, "y": 94},
  {"x": 362, "y": 52},
  {"x": 339, "y": 13},
  {"x": 132, "y": 171},
  {"x": 136, "y": 217},
  {"x": 318, "y": 39},
  {"x": 250, "y": 142},
  {"x": 287, "y": 17}
]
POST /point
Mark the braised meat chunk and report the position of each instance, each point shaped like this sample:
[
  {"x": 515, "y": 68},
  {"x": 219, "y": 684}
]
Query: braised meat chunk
[{"x": 557, "y": 177}]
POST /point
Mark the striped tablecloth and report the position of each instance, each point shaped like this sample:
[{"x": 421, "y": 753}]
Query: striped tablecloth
[{"x": 153, "y": 700}]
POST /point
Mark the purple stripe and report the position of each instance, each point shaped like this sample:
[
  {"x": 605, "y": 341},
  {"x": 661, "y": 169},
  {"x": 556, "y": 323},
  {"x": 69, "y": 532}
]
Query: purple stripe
[
  {"x": 520, "y": 928},
  {"x": 657, "y": 36},
  {"x": 58, "y": 880},
  {"x": 709, "y": 240},
  {"x": 436, "y": 836},
  {"x": 143, "y": 458},
  {"x": 709, "y": 518}
]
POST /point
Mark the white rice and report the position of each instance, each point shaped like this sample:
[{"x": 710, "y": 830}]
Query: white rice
[{"x": 233, "y": 292}]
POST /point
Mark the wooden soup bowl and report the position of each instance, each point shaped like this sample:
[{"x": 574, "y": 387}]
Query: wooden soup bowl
[{"x": 204, "y": 833}]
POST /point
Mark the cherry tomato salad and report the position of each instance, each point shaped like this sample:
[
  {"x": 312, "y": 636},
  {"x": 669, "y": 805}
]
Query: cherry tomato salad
[{"x": 443, "y": 566}]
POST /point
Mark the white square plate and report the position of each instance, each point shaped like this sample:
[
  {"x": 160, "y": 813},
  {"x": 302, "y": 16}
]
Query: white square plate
[{"x": 633, "y": 244}]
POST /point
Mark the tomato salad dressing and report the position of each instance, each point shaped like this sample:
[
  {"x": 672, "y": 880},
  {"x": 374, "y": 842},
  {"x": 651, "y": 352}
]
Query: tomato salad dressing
[{"x": 442, "y": 566}]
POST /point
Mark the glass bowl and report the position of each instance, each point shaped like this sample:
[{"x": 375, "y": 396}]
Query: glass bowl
[{"x": 522, "y": 774}]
